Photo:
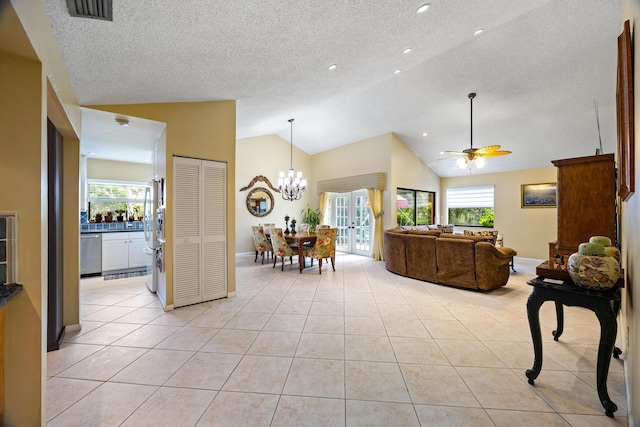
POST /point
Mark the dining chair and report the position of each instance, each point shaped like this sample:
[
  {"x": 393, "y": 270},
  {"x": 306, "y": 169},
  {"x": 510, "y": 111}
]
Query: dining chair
[
  {"x": 325, "y": 248},
  {"x": 280, "y": 247},
  {"x": 261, "y": 243},
  {"x": 319, "y": 226},
  {"x": 303, "y": 228}
]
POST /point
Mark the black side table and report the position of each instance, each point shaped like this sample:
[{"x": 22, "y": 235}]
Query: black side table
[{"x": 605, "y": 304}]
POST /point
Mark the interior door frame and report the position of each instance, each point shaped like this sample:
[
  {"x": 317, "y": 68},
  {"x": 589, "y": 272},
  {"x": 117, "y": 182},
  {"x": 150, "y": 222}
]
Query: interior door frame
[{"x": 352, "y": 227}]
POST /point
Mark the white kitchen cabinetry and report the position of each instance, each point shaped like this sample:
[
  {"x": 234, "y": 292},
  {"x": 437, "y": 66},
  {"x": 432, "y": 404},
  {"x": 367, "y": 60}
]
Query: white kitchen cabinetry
[
  {"x": 200, "y": 231},
  {"x": 123, "y": 250}
]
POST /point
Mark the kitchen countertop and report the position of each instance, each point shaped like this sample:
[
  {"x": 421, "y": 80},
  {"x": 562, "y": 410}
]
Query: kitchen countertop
[
  {"x": 133, "y": 230},
  {"x": 7, "y": 292}
]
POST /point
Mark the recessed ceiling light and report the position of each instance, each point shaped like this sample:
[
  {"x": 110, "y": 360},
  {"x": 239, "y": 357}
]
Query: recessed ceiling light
[
  {"x": 122, "y": 121},
  {"x": 481, "y": 30},
  {"x": 397, "y": 71},
  {"x": 422, "y": 8},
  {"x": 407, "y": 50},
  {"x": 424, "y": 134},
  {"x": 333, "y": 66}
]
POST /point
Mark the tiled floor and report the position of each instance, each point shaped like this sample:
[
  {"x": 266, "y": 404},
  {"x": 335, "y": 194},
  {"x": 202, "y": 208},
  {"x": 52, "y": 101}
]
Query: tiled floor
[{"x": 356, "y": 347}]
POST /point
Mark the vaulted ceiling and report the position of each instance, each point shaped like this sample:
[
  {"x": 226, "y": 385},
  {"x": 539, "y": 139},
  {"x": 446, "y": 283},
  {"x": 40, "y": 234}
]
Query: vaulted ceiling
[{"x": 537, "y": 68}]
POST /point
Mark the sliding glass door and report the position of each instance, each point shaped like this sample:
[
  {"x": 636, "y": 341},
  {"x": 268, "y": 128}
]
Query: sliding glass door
[{"x": 351, "y": 215}]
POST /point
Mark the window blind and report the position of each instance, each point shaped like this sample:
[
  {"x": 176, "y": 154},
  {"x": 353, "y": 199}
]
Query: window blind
[{"x": 470, "y": 197}]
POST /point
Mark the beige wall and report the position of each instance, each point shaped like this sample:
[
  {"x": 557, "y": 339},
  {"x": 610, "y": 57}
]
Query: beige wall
[
  {"x": 630, "y": 230},
  {"x": 527, "y": 230},
  {"x": 122, "y": 171},
  {"x": 28, "y": 56},
  {"x": 23, "y": 170},
  {"x": 268, "y": 155},
  {"x": 370, "y": 155},
  {"x": 409, "y": 171},
  {"x": 201, "y": 130}
]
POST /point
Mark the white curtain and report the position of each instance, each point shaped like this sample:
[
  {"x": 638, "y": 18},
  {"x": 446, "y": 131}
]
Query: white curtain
[
  {"x": 375, "y": 201},
  {"x": 324, "y": 198}
]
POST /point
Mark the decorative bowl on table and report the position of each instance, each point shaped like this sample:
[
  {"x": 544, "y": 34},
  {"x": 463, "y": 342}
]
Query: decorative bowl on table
[{"x": 591, "y": 268}]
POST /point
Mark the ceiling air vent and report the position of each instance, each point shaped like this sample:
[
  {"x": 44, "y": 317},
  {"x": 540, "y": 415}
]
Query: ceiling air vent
[{"x": 95, "y": 9}]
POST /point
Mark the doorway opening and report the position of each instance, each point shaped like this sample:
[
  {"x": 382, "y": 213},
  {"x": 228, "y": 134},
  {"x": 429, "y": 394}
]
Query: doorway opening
[{"x": 350, "y": 213}]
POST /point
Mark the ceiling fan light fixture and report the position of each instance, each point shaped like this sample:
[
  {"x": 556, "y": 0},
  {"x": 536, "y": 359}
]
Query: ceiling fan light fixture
[
  {"x": 480, "y": 162},
  {"x": 461, "y": 162}
]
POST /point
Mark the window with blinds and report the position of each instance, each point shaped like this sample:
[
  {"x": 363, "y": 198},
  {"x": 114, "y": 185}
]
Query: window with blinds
[{"x": 470, "y": 206}]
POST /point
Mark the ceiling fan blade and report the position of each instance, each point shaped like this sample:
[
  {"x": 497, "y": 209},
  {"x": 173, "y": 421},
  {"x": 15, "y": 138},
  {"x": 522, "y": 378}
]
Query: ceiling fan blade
[
  {"x": 457, "y": 153},
  {"x": 488, "y": 149},
  {"x": 496, "y": 153}
]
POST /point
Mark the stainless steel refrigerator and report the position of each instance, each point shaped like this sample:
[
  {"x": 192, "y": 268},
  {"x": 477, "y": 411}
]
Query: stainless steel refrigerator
[{"x": 154, "y": 230}]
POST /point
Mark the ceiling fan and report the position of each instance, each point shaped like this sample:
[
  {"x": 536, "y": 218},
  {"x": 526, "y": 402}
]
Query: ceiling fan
[{"x": 476, "y": 155}]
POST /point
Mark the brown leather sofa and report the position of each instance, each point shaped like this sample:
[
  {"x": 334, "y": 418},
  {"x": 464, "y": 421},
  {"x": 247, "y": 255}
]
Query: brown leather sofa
[{"x": 465, "y": 261}]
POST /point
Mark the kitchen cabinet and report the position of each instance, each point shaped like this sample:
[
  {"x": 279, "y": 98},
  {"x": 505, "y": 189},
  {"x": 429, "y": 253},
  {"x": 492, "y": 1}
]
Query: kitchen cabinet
[{"x": 123, "y": 250}]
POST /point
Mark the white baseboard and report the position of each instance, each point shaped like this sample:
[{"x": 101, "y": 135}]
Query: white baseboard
[{"x": 73, "y": 328}]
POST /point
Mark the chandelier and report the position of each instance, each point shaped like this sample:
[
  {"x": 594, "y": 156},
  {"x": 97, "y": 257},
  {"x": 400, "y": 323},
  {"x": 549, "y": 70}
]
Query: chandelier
[{"x": 292, "y": 185}]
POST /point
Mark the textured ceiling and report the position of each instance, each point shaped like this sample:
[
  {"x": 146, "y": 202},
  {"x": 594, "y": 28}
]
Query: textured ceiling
[{"x": 537, "y": 69}]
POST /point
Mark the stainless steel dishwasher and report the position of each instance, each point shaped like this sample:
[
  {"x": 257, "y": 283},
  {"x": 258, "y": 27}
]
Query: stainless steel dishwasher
[{"x": 90, "y": 254}]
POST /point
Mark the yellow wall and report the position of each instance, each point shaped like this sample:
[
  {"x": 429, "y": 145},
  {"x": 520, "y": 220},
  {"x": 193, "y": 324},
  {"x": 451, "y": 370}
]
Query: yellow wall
[
  {"x": 370, "y": 155},
  {"x": 630, "y": 230},
  {"x": 122, "y": 171},
  {"x": 268, "y": 155},
  {"x": 409, "y": 171},
  {"x": 23, "y": 170},
  {"x": 528, "y": 230},
  {"x": 202, "y": 130}
]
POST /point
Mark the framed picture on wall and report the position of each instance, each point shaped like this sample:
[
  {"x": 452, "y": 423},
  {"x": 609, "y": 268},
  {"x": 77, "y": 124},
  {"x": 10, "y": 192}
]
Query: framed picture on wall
[
  {"x": 539, "y": 195},
  {"x": 624, "y": 116}
]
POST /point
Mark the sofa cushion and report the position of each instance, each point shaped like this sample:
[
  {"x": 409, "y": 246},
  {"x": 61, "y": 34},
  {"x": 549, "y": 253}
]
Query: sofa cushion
[
  {"x": 491, "y": 235},
  {"x": 445, "y": 228},
  {"x": 421, "y": 257},
  {"x": 456, "y": 261},
  {"x": 425, "y": 232},
  {"x": 394, "y": 252},
  {"x": 474, "y": 239}
]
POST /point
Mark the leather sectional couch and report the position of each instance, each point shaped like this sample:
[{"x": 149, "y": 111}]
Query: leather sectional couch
[{"x": 464, "y": 261}]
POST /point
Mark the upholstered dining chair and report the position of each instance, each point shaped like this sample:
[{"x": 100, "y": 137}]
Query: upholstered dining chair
[
  {"x": 319, "y": 226},
  {"x": 261, "y": 242},
  {"x": 303, "y": 228},
  {"x": 280, "y": 247},
  {"x": 325, "y": 248}
]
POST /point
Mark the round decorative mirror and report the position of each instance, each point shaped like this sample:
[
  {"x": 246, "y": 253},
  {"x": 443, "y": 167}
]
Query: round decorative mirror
[{"x": 260, "y": 202}]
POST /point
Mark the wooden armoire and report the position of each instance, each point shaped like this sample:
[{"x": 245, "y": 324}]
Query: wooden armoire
[{"x": 586, "y": 201}]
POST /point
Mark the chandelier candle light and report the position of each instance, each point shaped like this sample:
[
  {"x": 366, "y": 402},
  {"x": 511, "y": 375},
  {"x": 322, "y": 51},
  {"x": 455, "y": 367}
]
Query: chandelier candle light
[{"x": 292, "y": 185}]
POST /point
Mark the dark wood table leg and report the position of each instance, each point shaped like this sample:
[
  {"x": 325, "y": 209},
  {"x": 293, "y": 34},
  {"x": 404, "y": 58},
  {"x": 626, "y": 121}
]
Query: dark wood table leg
[
  {"x": 560, "y": 320},
  {"x": 533, "y": 313},
  {"x": 608, "y": 331},
  {"x": 301, "y": 256}
]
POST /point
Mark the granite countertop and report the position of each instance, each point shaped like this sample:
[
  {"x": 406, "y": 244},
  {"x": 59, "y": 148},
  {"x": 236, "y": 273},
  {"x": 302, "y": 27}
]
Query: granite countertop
[
  {"x": 133, "y": 230},
  {"x": 7, "y": 292}
]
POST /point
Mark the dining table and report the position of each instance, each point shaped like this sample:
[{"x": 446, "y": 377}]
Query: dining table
[{"x": 299, "y": 239}]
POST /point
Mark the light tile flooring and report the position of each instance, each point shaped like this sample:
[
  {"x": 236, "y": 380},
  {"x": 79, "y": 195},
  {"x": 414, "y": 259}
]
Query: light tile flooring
[{"x": 357, "y": 347}]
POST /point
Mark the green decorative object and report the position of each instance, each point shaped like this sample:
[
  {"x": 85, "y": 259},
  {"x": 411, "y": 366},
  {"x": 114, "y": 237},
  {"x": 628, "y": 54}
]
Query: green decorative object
[
  {"x": 608, "y": 248},
  {"x": 591, "y": 268},
  {"x": 311, "y": 217}
]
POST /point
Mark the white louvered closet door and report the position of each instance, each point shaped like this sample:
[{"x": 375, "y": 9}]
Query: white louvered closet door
[
  {"x": 199, "y": 231},
  {"x": 214, "y": 230}
]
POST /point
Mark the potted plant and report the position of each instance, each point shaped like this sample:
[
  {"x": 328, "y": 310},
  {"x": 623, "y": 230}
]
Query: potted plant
[
  {"x": 120, "y": 216},
  {"x": 98, "y": 217},
  {"x": 311, "y": 217},
  {"x": 137, "y": 212},
  {"x": 108, "y": 217}
]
